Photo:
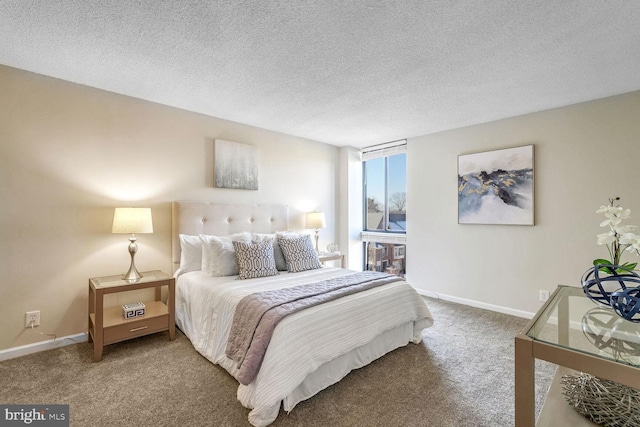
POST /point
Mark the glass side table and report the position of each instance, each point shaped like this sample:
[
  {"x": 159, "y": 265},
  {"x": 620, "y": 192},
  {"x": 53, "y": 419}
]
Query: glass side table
[{"x": 572, "y": 331}]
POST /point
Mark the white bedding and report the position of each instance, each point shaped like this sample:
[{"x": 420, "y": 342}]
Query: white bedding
[{"x": 311, "y": 349}]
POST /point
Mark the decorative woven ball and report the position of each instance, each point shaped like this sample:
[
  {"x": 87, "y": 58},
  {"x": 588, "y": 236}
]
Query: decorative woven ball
[
  {"x": 604, "y": 402},
  {"x": 598, "y": 284},
  {"x": 626, "y": 302}
]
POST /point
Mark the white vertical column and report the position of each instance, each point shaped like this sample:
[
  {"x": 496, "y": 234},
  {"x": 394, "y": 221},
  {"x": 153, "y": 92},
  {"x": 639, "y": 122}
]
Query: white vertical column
[{"x": 351, "y": 211}]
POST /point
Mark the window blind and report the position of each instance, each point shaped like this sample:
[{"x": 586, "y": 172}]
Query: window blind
[{"x": 384, "y": 150}]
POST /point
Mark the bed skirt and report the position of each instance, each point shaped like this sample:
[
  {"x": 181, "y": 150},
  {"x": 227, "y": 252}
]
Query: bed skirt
[{"x": 333, "y": 371}]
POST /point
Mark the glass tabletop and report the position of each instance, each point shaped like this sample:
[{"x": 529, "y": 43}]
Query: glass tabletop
[
  {"x": 573, "y": 321},
  {"x": 113, "y": 281}
]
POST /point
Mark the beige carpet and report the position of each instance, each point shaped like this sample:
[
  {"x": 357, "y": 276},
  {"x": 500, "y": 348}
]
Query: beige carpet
[{"x": 461, "y": 375}]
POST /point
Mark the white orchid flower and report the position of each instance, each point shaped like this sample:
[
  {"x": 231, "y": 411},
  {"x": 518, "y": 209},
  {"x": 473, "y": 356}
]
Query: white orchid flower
[
  {"x": 611, "y": 222},
  {"x": 606, "y": 238},
  {"x": 633, "y": 248},
  {"x": 624, "y": 229},
  {"x": 620, "y": 238},
  {"x": 634, "y": 245},
  {"x": 614, "y": 210},
  {"x": 608, "y": 210},
  {"x": 628, "y": 238}
]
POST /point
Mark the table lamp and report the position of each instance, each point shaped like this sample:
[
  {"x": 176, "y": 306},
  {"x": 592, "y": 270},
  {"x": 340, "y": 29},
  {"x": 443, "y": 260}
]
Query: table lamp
[
  {"x": 132, "y": 221},
  {"x": 315, "y": 220}
]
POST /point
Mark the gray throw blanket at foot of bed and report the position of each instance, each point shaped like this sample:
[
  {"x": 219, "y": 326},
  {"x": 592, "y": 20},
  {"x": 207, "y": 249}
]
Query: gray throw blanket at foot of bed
[{"x": 257, "y": 315}]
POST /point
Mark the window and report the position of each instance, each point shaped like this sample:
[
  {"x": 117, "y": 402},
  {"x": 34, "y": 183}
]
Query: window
[
  {"x": 385, "y": 207},
  {"x": 384, "y": 256},
  {"x": 398, "y": 251},
  {"x": 385, "y": 189}
]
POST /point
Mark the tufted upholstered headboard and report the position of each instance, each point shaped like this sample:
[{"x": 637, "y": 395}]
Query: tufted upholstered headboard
[{"x": 222, "y": 219}]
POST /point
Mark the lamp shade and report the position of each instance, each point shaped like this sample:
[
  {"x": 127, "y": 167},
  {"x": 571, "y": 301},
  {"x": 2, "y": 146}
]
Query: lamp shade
[
  {"x": 132, "y": 221},
  {"x": 315, "y": 220}
]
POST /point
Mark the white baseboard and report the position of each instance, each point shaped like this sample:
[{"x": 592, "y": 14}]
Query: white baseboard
[
  {"x": 23, "y": 350},
  {"x": 477, "y": 304}
]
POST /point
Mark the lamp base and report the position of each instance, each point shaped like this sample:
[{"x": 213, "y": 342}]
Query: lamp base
[
  {"x": 132, "y": 275},
  {"x": 317, "y": 251}
]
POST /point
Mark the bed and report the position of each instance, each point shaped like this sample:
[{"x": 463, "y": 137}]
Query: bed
[{"x": 310, "y": 349}]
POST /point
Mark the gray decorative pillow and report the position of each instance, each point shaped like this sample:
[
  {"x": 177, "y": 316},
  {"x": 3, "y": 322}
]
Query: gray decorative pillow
[
  {"x": 255, "y": 259},
  {"x": 299, "y": 253},
  {"x": 281, "y": 264}
]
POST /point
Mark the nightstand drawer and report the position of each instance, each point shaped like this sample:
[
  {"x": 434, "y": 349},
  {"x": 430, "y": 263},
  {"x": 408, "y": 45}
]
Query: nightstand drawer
[{"x": 135, "y": 328}]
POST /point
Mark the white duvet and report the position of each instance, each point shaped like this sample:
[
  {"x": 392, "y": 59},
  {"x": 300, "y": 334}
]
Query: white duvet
[{"x": 309, "y": 350}]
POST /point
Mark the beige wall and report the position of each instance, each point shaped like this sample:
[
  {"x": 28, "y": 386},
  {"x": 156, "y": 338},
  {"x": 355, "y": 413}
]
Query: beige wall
[
  {"x": 584, "y": 154},
  {"x": 69, "y": 154}
]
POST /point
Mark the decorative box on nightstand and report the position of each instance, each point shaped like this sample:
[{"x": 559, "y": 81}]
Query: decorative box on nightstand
[
  {"x": 137, "y": 309},
  {"x": 108, "y": 326}
]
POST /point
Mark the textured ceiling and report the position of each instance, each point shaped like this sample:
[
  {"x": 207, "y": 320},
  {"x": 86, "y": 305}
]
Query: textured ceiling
[{"x": 342, "y": 72}]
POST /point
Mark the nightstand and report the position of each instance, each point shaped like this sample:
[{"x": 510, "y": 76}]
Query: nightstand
[
  {"x": 336, "y": 256},
  {"x": 108, "y": 325}
]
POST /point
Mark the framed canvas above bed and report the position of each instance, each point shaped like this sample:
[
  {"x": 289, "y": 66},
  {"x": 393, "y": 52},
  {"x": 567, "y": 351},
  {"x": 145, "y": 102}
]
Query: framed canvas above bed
[{"x": 236, "y": 165}]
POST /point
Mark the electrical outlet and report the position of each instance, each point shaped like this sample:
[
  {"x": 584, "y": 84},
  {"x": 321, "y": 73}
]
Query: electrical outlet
[
  {"x": 32, "y": 319},
  {"x": 544, "y": 295}
]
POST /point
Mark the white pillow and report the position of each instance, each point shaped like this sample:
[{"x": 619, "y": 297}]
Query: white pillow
[
  {"x": 281, "y": 264},
  {"x": 218, "y": 255},
  {"x": 190, "y": 253},
  {"x": 255, "y": 259},
  {"x": 299, "y": 253}
]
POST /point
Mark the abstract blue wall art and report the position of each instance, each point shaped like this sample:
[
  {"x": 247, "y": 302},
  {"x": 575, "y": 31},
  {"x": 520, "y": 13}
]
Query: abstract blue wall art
[{"x": 496, "y": 187}]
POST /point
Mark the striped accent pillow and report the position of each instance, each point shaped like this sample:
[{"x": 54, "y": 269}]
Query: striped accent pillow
[
  {"x": 255, "y": 259},
  {"x": 299, "y": 253}
]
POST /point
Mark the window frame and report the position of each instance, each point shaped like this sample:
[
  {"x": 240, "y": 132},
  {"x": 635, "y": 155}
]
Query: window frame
[{"x": 381, "y": 151}]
